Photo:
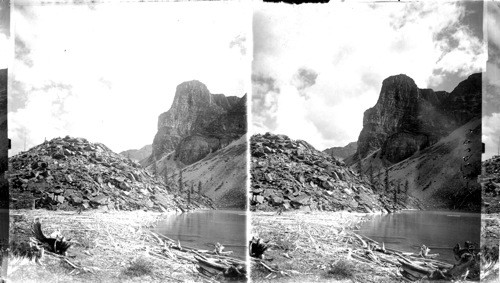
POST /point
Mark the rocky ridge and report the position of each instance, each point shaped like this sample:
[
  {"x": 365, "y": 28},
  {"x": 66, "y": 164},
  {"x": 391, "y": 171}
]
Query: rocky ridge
[
  {"x": 198, "y": 123},
  {"x": 73, "y": 173},
  {"x": 293, "y": 175},
  {"x": 407, "y": 119}
]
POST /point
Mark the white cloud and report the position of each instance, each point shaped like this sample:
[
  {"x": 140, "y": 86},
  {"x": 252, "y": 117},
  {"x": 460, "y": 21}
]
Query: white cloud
[
  {"x": 352, "y": 48},
  {"x": 493, "y": 22},
  {"x": 119, "y": 65}
]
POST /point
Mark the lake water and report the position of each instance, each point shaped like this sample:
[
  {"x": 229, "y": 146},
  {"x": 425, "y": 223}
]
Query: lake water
[
  {"x": 439, "y": 230},
  {"x": 202, "y": 229}
]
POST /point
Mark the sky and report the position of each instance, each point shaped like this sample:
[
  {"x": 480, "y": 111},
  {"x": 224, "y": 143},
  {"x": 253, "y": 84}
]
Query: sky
[
  {"x": 317, "y": 68},
  {"x": 105, "y": 72},
  {"x": 491, "y": 83}
]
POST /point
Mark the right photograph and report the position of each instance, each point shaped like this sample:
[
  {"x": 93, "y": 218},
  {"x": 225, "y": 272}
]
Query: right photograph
[
  {"x": 366, "y": 143},
  {"x": 490, "y": 175}
]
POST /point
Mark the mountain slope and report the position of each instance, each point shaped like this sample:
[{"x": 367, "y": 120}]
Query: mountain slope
[
  {"x": 415, "y": 134},
  {"x": 294, "y": 175},
  {"x": 443, "y": 175},
  {"x": 222, "y": 175},
  {"x": 70, "y": 173}
]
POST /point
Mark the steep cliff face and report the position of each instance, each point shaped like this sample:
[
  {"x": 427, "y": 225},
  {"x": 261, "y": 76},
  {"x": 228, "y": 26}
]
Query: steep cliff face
[
  {"x": 198, "y": 123},
  {"x": 407, "y": 119}
]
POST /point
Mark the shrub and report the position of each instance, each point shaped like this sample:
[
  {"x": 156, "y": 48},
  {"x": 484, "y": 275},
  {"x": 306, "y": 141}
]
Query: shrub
[
  {"x": 342, "y": 269},
  {"x": 139, "y": 267}
]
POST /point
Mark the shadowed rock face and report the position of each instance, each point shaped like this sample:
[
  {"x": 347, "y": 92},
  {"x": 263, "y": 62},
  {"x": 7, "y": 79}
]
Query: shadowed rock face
[
  {"x": 198, "y": 123},
  {"x": 407, "y": 119}
]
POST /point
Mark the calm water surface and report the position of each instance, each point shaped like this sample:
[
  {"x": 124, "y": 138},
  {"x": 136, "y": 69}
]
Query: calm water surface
[
  {"x": 202, "y": 229},
  {"x": 439, "y": 230}
]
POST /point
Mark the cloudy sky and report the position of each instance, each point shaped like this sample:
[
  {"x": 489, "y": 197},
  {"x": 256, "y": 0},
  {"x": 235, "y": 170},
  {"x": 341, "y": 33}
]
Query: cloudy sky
[
  {"x": 491, "y": 89},
  {"x": 105, "y": 72},
  {"x": 317, "y": 68}
]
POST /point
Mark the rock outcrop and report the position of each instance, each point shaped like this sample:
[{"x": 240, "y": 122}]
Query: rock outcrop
[
  {"x": 198, "y": 123},
  {"x": 138, "y": 154},
  {"x": 342, "y": 153},
  {"x": 293, "y": 175},
  {"x": 407, "y": 119},
  {"x": 73, "y": 173}
]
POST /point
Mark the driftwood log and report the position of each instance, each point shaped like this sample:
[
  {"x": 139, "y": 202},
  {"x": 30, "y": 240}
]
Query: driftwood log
[
  {"x": 423, "y": 265},
  {"x": 58, "y": 245},
  {"x": 211, "y": 265}
]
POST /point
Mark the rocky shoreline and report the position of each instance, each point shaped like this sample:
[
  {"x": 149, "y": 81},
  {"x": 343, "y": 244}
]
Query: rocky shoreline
[{"x": 109, "y": 246}]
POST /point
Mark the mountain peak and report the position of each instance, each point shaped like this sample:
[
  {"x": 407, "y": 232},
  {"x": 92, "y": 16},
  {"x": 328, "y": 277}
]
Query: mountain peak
[
  {"x": 191, "y": 84},
  {"x": 400, "y": 77},
  {"x": 407, "y": 119},
  {"x": 198, "y": 123}
]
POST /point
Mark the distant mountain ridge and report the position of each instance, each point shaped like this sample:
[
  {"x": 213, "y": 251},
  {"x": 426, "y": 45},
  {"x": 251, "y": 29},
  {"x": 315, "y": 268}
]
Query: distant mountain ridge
[
  {"x": 138, "y": 154},
  {"x": 342, "y": 152}
]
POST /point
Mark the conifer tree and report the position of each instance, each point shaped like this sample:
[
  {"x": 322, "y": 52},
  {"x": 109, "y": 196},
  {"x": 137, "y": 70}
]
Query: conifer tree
[
  {"x": 154, "y": 167},
  {"x": 370, "y": 175},
  {"x": 180, "y": 182}
]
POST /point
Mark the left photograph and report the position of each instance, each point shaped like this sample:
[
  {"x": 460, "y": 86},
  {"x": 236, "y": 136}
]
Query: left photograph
[{"x": 128, "y": 153}]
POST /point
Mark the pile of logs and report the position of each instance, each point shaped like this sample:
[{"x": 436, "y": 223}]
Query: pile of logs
[
  {"x": 213, "y": 265},
  {"x": 423, "y": 265}
]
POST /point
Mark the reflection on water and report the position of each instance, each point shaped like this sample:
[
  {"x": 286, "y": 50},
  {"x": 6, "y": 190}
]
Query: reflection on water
[
  {"x": 202, "y": 229},
  {"x": 439, "y": 230}
]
